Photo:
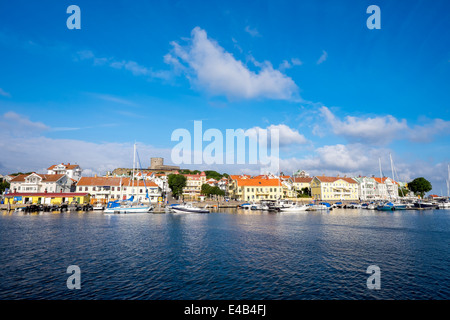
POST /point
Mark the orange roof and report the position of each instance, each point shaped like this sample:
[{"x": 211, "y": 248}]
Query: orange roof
[
  {"x": 242, "y": 176},
  {"x": 258, "y": 182},
  {"x": 333, "y": 179},
  {"x": 68, "y": 166},
  {"x": 113, "y": 181},
  {"x": 382, "y": 180},
  {"x": 100, "y": 181}
]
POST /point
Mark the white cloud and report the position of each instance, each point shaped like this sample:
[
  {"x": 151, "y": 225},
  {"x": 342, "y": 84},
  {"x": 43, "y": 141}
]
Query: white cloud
[
  {"x": 287, "y": 136},
  {"x": 425, "y": 133},
  {"x": 287, "y": 65},
  {"x": 208, "y": 66},
  {"x": 252, "y": 31},
  {"x": 381, "y": 130},
  {"x": 128, "y": 65},
  {"x": 4, "y": 93},
  {"x": 378, "y": 130},
  {"x": 14, "y": 124},
  {"x": 323, "y": 57}
]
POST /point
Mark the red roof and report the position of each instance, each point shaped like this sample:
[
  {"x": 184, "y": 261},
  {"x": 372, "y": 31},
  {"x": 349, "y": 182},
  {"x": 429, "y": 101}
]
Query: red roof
[
  {"x": 46, "y": 194},
  {"x": 68, "y": 166},
  {"x": 333, "y": 179},
  {"x": 45, "y": 177},
  {"x": 113, "y": 182}
]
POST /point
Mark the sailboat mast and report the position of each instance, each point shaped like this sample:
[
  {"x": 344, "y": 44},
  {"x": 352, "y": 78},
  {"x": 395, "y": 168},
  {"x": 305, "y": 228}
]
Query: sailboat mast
[
  {"x": 392, "y": 166},
  {"x": 381, "y": 174},
  {"x": 134, "y": 161},
  {"x": 448, "y": 181}
]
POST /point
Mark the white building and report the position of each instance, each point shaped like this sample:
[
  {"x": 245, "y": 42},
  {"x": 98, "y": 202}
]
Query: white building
[
  {"x": 36, "y": 182},
  {"x": 72, "y": 170},
  {"x": 106, "y": 189},
  {"x": 386, "y": 188},
  {"x": 367, "y": 188}
]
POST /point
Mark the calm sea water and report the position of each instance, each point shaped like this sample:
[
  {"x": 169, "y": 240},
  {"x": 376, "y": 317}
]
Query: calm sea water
[{"x": 226, "y": 255}]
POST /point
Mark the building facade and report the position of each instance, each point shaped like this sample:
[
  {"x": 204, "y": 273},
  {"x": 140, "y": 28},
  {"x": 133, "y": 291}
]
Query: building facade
[
  {"x": 256, "y": 189},
  {"x": 73, "y": 171},
  {"x": 334, "y": 188},
  {"x": 40, "y": 183},
  {"x": 104, "y": 189}
]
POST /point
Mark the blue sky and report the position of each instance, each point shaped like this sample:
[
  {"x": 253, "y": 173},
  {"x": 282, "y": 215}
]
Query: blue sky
[{"x": 342, "y": 95}]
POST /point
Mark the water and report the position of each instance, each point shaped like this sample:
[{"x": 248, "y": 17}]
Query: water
[{"x": 226, "y": 255}]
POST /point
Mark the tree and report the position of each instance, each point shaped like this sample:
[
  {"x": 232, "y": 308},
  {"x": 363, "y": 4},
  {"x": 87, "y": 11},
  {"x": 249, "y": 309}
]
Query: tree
[
  {"x": 402, "y": 191},
  {"x": 208, "y": 190},
  {"x": 176, "y": 183},
  {"x": 419, "y": 186},
  {"x": 4, "y": 185}
]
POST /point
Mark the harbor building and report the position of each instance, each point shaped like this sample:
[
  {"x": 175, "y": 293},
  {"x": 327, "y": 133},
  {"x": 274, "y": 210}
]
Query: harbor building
[
  {"x": 46, "y": 198},
  {"x": 40, "y": 183},
  {"x": 73, "y": 171},
  {"x": 334, "y": 188},
  {"x": 193, "y": 187},
  {"x": 256, "y": 189},
  {"x": 104, "y": 189}
]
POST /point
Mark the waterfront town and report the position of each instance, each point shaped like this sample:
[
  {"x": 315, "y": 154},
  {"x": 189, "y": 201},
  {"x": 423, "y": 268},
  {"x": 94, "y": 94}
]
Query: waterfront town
[{"x": 65, "y": 183}]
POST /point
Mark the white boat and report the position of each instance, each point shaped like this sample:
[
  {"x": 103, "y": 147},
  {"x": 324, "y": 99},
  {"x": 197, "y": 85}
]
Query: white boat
[
  {"x": 444, "y": 205},
  {"x": 294, "y": 208},
  {"x": 319, "y": 207},
  {"x": 98, "y": 206},
  {"x": 129, "y": 208},
  {"x": 188, "y": 208}
]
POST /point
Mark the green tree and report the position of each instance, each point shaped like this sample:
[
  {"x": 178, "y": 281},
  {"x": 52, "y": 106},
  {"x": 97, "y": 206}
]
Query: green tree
[
  {"x": 419, "y": 186},
  {"x": 208, "y": 190},
  {"x": 176, "y": 183},
  {"x": 3, "y": 185}
]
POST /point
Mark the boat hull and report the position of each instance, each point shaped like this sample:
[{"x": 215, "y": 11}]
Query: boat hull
[
  {"x": 129, "y": 210},
  {"x": 188, "y": 210}
]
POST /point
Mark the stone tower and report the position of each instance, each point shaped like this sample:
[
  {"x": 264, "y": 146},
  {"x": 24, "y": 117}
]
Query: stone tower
[{"x": 156, "y": 163}]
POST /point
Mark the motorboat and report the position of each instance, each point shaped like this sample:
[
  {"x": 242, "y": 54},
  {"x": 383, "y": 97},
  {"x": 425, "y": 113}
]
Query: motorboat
[
  {"x": 444, "y": 205},
  {"x": 98, "y": 206},
  {"x": 128, "y": 208},
  {"x": 390, "y": 206},
  {"x": 246, "y": 206},
  {"x": 188, "y": 208},
  {"x": 294, "y": 208},
  {"x": 319, "y": 207},
  {"x": 371, "y": 206},
  {"x": 425, "y": 205},
  {"x": 353, "y": 205}
]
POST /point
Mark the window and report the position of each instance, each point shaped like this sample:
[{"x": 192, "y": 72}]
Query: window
[
  {"x": 80, "y": 189},
  {"x": 112, "y": 188},
  {"x": 85, "y": 188}
]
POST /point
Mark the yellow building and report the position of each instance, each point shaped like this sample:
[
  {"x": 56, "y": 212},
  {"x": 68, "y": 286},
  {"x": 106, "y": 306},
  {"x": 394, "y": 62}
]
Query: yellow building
[
  {"x": 334, "y": 188},
  {"x": 193, "y": 187},
  {"x": 47, "y": 198},
  {"x": 252, "y": 189},
  {"x": 301, "y": 183}
]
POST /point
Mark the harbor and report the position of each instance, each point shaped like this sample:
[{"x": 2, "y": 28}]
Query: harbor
[{"x": 231, "y": 253}]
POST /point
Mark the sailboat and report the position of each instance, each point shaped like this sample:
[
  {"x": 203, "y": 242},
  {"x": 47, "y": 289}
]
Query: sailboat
[
  {"x": 390, "y": 205},
  {"x": 130, "y": 205}
]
